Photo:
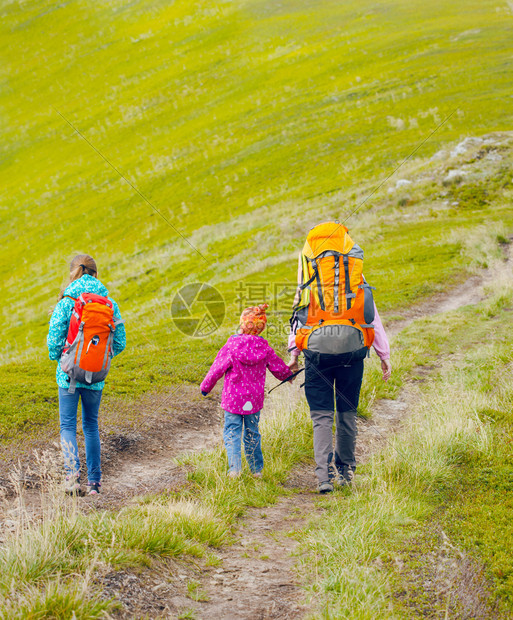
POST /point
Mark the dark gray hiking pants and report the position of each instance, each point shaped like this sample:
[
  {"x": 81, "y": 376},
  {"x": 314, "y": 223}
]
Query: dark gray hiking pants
[{"x": 332, "y": 384}]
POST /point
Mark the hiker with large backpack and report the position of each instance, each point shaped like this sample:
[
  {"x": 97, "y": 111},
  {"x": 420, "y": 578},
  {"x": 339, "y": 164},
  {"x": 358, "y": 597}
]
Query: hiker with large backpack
[
  {"x": 334, "y": 324},
  {"x": 86, "y": 331}
]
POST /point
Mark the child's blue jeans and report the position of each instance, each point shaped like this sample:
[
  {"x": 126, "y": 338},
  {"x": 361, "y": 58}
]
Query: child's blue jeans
[
  {"x": 232, "y": 435},
  {"x": 68, "y": 406}
]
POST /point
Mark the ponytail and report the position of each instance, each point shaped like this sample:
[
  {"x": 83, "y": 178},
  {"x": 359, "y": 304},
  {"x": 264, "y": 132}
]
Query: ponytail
[{"x": 80, "y": 265}]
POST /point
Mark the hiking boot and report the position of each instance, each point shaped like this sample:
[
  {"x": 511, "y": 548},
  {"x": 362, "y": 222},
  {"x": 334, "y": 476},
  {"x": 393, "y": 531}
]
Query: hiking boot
[
  {"x": 325, "y": 487},
  {"x": 346, "y": 475},
  {"x": 93, "y": 488},
  {"x": 72, "y": 485}
]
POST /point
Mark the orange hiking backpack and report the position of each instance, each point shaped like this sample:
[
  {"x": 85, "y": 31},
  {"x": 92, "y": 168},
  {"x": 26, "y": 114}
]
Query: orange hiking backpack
[
  {"x": 335, "y": 311},
  {"x": 88, "y": 350}
]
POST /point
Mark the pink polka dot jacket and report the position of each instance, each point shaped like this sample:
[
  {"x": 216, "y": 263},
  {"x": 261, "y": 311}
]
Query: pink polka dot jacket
[{"x": 243, "y": 361}]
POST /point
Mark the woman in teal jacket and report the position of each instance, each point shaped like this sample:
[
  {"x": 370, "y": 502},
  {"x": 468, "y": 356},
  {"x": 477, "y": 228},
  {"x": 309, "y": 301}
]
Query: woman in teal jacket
[{"x": 83, "y": 279}]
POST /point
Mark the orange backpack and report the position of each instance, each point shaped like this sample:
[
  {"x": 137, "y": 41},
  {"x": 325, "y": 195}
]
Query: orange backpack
[
  {"x": 335, "y": 311},
  {"x": 88, "y": 350}
]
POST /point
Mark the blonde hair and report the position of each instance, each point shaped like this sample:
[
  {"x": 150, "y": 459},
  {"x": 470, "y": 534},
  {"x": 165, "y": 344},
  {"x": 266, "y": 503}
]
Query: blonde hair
[{"x": 80, "y": 265}]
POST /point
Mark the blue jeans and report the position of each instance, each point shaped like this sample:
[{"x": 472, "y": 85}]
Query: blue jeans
[
  {"x": 232, "y": 435},
  {"x": 68, "y": 407}
]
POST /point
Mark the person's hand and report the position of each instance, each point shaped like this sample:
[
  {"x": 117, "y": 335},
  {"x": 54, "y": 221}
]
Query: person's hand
[
  {"x": 386, "y": 367},
  {"x": 293, "y": 365}
]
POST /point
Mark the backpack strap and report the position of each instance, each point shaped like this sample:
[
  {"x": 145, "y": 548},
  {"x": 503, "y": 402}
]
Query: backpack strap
[
  {"x": 319, "y": 285},
  {"x": 315, "y": 276},
  {"x": 72, "y": 386},
  {"x": 336, "y": 267},
  {"x": 349, "y": 295},
  {"x": 308, "y": 282}
]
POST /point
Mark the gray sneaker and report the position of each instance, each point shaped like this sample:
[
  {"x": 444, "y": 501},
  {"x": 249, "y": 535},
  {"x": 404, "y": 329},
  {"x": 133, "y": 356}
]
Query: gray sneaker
[{"x": 325, "y": 487}]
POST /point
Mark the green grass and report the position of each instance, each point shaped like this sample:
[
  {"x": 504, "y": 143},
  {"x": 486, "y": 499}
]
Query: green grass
[
  {"x": 243, "y": 123},
  {"x": 195, "y": 592},
  {"x": 187, "y": 614},
  {"x": 57, "y": 600},
  {"x": 478, "y": 505},
  {"x": 47, "y": 568}
]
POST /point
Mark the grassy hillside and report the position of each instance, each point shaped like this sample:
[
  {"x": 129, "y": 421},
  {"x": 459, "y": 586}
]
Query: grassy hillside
[
  {"x": 243, "y": 123},
  {"x": 236, "y": 126}
]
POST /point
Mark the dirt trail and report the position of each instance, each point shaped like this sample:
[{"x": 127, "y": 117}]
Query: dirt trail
[
  {"x": 191, "y": 424},
  {"x": 256, "y": 579},
  {"x": 472, "y": 291}
]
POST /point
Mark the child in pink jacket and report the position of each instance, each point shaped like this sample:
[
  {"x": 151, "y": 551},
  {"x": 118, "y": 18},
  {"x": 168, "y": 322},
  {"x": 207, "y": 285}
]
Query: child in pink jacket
[{"x": 243, "y": 361}]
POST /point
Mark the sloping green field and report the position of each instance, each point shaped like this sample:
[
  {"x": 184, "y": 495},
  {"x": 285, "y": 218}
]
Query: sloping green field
[
  {"x": 243, "y": 123},
  {"x": 187, "y": 141}
]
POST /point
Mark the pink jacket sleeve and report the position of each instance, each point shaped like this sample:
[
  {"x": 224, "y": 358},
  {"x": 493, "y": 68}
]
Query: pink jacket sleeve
[
  {"x": 380, "y": 344},
  {"x": 221, "y": 364},
  {"x": 293, "y": 350},
  {"x": 277, "y": 366}
]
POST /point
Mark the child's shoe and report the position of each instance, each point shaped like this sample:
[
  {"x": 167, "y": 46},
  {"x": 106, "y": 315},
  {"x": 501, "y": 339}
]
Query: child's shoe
[
  {"x": 233, "y": 474},
  {"x": 72, "y": 485},
  {"x": 93, "y": 488},
  {"x": 257, "y": 474}
]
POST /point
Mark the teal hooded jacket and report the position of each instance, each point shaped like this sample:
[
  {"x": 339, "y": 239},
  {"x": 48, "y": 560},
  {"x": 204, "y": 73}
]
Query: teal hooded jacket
[{"x": 59, "y": 325}]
